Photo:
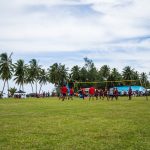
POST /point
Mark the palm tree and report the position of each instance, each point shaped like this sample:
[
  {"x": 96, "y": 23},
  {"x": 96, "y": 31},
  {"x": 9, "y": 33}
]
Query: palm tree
[
  {"x": 33, "y": 73},
  {"x": 75, "y": 73},
  {"x": 83, "y": 74},
  {"x": 143, "y": 78},
  {"x": 58, "y": 74},
  {"x": 53, "y": 72},
  {"x": 114, "y": 76},
  {"x": 20, "y": 73},
  {"x": 127, "y": 73},
  {"x": 43, "y": 78},
  {"x": 105, "y": 71},
  {"x": 6, "y": 69}
]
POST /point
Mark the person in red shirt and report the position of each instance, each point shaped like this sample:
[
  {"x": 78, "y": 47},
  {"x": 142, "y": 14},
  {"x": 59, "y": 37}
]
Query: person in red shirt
[
  {"x": 91, "y": 92},
  {"x": 71, "y": 93},
  {"x": 64, "y": 92}
]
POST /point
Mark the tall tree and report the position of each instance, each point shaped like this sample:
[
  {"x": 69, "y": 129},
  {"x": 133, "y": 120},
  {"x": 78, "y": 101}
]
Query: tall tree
[
  {"x": 105, "y": 72},
  {"x": 114, "y": 76},
  {"x": 143, "y": 78},
  {"x": 33, "y": 73},
  {"x": 75, "y": 73},
  {"x": 6, "y": 69},
  {"x": 58, "y": 73},
  {"x": 43, "y": 78},
  {"x": 20, "y": 73},
  {"x": 128, "y": 74}
]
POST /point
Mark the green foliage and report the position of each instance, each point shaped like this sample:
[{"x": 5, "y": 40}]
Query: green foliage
[
  {"x": 12, "y": 91},
  {"x": 58, "y": 74},
  {"x": 20, "y": 73}
]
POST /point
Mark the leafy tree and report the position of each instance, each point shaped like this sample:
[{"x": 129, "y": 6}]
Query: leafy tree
[
  {"x": 104, "y": 72},
  {"x": 33, "y": 72},
  {"x": 83, "y": 74},
  {"x": 6, "y": 69},
  {"x": 43, "y": 78},
  {"x": 20, "y": 73},
  {"x": 58, "y": 74},
  {"x": 75, "y": 73},
  {"x": 114, "y": 76},
  {"x": 128, "y": 73},
  {"x": 12, "y": 91},
  {"x": 144, "y": 78}
]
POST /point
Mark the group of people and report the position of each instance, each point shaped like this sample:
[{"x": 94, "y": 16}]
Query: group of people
[
  {"x": 65, "y": 93},
  {"x": 109, "y": 94},
  {"x": 101, "y": 94}
]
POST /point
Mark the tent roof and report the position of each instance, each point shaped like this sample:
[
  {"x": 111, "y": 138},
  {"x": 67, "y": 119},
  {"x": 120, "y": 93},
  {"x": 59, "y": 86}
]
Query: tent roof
[
  {"x": 20, "y": 91},
  {"x": 134, "y": 88}
]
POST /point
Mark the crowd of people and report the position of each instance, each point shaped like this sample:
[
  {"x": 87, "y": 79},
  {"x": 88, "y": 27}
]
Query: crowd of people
[{"x": 92, "y": 93}]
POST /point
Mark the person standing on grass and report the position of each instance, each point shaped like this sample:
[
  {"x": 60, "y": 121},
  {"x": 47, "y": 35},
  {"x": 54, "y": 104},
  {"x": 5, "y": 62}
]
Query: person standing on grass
[
  {"x": 60, "y": 93},
  {"x": 130, "y": 93},
  {"x": 101, "y": 94},
  {"x": 82, "y": 93},
  {"x": 91, "y": 92},
  {"x": 64, "y": 92},
  {"x": 116, "y": 93},
  {"x": 96, "y": 94},
  {"x": 71, "y": 93}
]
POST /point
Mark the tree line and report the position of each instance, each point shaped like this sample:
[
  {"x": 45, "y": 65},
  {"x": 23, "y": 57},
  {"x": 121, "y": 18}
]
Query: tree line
[{"x": 34, "y": 74}]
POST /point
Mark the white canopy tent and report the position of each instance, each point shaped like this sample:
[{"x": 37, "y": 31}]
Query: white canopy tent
[{"x": 20, "y": 94}]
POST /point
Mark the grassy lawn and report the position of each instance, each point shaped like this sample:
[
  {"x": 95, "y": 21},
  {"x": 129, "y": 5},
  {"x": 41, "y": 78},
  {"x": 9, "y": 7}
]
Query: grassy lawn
[{"x": 75, "y": 125}]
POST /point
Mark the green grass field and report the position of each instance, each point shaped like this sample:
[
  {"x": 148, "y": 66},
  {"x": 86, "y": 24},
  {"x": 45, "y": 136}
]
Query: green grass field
[{"x": 75, "y": 125}]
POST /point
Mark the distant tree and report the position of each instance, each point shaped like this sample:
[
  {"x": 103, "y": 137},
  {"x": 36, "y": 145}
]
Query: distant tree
[
  {"x": 20, "y": 73},
  {"x": 88, "y": 63},
  {"x": 83, "y": 74},
  {"x": 114, "y": 76},
  {"x": 143, "y": 78},
  {"x": 6, "y": 69},
  {"x": 75, "y": 73},
  {"x": 33, "y": 72},
  {"x": 43, "y": 78},
  {"x": 12, "y": 91},
  {"x": 128, "y": 73},
  {"x": 58, "y": 74},
  {"x": 104, "y": 72}
]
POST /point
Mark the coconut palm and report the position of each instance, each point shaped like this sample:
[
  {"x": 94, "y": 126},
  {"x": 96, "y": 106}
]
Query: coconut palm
[
  {"x": 114, "y": 76},
  {"x": 43, "y": 78},
  {"x": 20, "y": 73},
  {"x": 105, "y": 71},
  {"x": 128, "y": 74},
  {"x": 53, "y": 73},
  {"x": 6, "y": 69},
  {"x": 143, "y": 78},
  {"x": 33, "y": 73},
  {"x": 75, "y": 73},
  {"x": 58, "y": 74}
]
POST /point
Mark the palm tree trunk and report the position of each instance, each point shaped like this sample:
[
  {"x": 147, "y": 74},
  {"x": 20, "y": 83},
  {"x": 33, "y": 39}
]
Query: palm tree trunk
[
  {"x": 40, "y": 88},
  {"x": 8, "y": 88},
  {"x": 20, "y": 87},
  {"x": 36, "y": 86},
  {"x": 32, "y": 87},
  {"x": 3, "y": 86}
]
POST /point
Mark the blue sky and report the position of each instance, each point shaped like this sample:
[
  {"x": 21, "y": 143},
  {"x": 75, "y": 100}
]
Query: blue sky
[{"x": 111, "y": 32}]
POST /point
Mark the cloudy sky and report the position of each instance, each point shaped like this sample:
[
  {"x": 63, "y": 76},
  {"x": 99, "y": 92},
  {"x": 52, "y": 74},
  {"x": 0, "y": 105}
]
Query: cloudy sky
[{"x": 112, "y": 32}]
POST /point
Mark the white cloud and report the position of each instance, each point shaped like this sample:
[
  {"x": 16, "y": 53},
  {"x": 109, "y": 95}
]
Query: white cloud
[{"x": 58, "y": 25}]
